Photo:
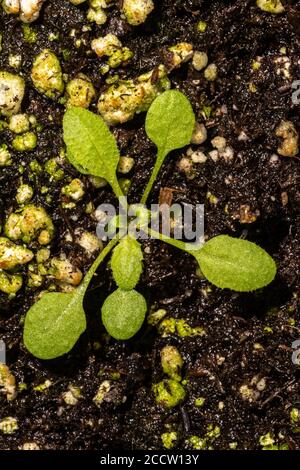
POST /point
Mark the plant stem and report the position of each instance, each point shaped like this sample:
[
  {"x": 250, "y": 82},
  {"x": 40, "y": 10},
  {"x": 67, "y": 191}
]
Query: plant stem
[
  {"x": 89, "y": 275},
  {"x": 188, "y": 247},
  {"x": 117, "y": 189},
  {"x": 159, "y": 161}
]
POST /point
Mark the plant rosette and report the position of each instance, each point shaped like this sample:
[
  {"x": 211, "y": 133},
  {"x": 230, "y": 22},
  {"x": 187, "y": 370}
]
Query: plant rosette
[{"x": 55, "y": 322}]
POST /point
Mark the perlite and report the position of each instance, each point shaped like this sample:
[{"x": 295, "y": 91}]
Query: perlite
[
  {"x": 31, "y": 223},
  {"x": 28, "y": 10},
  {"x": 80, "y": 91},
  {"x": 137, "y": 11},
  {"x": 124, "y": 99},
  {"x": 12, "y": 255},
  {"x": 12, "y": 89},
  {"x": 46, "y": 74}
]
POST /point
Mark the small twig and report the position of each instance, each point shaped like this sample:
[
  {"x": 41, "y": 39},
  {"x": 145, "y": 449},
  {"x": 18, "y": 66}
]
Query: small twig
[{"x": 277, "y": 392}]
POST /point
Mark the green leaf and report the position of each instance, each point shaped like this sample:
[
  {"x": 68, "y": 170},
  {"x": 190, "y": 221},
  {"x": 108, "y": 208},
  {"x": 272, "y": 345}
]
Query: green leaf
[
  {"x": 56, "y": 321},
  {"x": 170, "y": 124},
  {"x": 76, "y": 165},
  {"x": 235, "y": 264},
  {"x": 123, "y": 313},
  {"x": 170, "y": 121},
  {"x": 91, "y": 147},
  {"x": 126, "y": 263},
  {"x": 54, "y": 324}
]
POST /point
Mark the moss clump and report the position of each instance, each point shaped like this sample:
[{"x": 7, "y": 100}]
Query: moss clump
[
  {"x": 171, "y": 362},
  {"x": 80, "y": 92},
  {"x": 168, "y": 393},
  {"x": 46, "y": 74},
  {"x": 169, "y": 439},
  {"x": 29, "y": 224}
]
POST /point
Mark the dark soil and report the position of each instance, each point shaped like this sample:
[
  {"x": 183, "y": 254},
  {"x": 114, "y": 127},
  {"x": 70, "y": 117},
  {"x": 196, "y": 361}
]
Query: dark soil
[{"x": 218, "y": 364}]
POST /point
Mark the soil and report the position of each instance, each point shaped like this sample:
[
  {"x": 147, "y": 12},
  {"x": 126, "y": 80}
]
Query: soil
[{"x": 249, "y": 336}]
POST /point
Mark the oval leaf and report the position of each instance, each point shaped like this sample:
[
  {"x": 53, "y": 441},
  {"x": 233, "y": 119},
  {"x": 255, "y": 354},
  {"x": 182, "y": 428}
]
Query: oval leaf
[
  {"x": 235, "y": 264},
  {"x": 169, "y": 124},
  {"x": 90, "y": 144},
  {"x": 123, "y": 313},
  {"x": 54, "y": 324},
  {"x": 170, "y": 121},
  {"x": 126, "y": 263}
]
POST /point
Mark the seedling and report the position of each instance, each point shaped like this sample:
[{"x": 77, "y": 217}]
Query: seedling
[{"x": 56, "y": 321}]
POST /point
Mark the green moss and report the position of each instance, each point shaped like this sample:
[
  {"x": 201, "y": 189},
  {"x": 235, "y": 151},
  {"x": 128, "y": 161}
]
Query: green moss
[
  {"x": 233, "y": 445},
  {"x": 295, "y": 415},
  {"x": 7, "y": 382},
  {"x": 171, "y": 362},
  {"x": 125, "y": 98},
  {"x": 270, "y": 6},
  {"x": 167, "y": 327},
  {"x": 199, "y": 402},
  {"x": 25, "y": 142},
  {"x": 168, "y": 393},
  {"x": 5, "y": 156},
  {"x": 74, "y": 190},
  {"x": 24, "y": 194},
  {"x": 35, "y": 167},
  {"x": 29, "y": 35},
  {"x": 80, "y": 92},
  {"x": 267, "y": 442},
  {"x": 29, "y": 224},
  {"x": 9, "y": 425},
  {"x": 10, "y": 283},
  {"x": 169, "y": 439},
  {"x": 171, "y": 326},
  {"x": 205, "y": 443},
  {"x": 34, "y": 279},
  {"x": 119, "y": 57},
  {"x": 184, "y": 329},
  {"x": 103, "y": 390},
  {"x": 182, "y": 52},
  {"x": 19, "y": 123},
  {"x": 46, "y": 74},
  {"x": 43, "y": 387},
  {"x": 52, "y": 168},
  {"x": 96, "y": 11},
  {"x": 268, "y": 330},
  {"x": 198, "y": 443},
  {"x": 154, "y": 318},
  {"x": 202, "y": 26}
]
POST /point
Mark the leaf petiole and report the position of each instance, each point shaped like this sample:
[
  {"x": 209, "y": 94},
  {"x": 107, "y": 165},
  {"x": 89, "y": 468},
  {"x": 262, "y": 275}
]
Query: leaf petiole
[
  {"x": 161, "y": 155},
  {"x": 187, "y": 247},
  {"x": 118, "y": 191}
]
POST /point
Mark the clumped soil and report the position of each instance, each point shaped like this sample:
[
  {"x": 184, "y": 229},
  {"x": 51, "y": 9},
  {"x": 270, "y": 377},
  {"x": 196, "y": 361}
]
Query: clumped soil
[{"x": 249, "y": 336}]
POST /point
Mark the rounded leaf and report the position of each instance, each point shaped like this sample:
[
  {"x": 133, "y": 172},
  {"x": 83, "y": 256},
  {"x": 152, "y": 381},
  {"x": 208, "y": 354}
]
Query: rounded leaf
[
  {"x": 54, "y": 324},
  {"x": 126, "y": 263},
  {"x": 170, "y": 121},
  {"x": 235, "y": 264},
  {"x": 123, "y": 313}
]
